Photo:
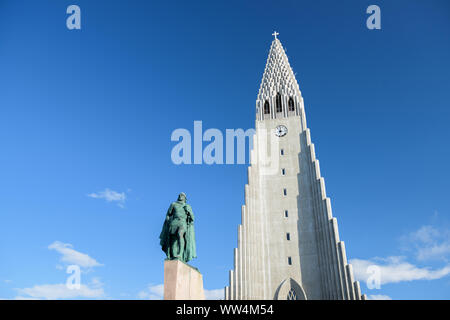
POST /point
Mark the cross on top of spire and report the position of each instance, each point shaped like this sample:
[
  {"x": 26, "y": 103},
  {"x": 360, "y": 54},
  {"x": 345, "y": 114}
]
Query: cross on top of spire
[{"x": 275, "y": 34}]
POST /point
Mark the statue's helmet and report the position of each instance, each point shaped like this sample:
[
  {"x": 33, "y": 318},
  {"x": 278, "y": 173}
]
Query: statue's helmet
[{"x": 182, "y": 196}]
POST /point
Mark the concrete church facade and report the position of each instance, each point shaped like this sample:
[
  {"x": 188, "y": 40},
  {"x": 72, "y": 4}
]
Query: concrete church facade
[{"x": 288, "y": 240}]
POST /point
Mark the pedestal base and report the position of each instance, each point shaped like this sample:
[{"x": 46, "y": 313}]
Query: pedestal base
[{"x": 182, "y": 282}]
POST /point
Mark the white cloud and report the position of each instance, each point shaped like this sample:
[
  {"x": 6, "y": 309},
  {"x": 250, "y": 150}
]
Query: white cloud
[
  {"x": 437, "y": 251},
  {"x": 425, "y": 234},
  {"x": 428, "y": 243},
  {"x": 378, "y": 297},
  {"x": 71, "y": 256},
  {"x": 396, "y": 269},
  {"x": 92, "y": 290},
  {"x": 156, "y": 292},
  {"x": 96, "y": 283},
  {"x": 215, "y": 294},
  {"x": 59, "y": 291},
  {"x": 152, "y": 292},
  {"x": 110, "y": 196}
]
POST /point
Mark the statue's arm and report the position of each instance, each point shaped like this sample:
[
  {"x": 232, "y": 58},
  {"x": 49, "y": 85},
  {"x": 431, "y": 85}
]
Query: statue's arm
[{"x": 189, "y": 212}]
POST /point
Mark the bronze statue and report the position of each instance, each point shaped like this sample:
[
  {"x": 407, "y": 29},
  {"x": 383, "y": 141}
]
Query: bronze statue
[{"x": 177, "y": 237}]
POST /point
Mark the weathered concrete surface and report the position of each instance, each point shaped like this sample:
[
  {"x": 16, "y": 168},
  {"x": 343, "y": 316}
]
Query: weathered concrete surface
[{"x": 182, "y": 282}]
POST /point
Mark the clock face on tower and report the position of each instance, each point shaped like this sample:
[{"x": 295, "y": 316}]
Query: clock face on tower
[{"x": 281, "y": 131}]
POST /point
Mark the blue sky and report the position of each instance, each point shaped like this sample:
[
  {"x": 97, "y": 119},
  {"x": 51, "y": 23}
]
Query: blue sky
[{"x": 86, "y": 117}]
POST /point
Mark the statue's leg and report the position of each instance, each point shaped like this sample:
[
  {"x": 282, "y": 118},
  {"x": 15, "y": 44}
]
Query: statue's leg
[
  {"x": 174, "y": 246},
  {"x": 181, "y": 242},
  {"x": 169, "y": 248}
]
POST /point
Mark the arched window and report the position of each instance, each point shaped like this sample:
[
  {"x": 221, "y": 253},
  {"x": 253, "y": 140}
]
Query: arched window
[
  {"x": 266, "y": 107},
  {"x": 278, "y": 102},
  {"x": 291, "y": 104}
]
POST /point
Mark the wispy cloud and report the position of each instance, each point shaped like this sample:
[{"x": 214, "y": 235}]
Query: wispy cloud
[
  {"x": 152, "y": 292},
  {"x": 215, "y": 294},
  {"x": 396, "y": 269},
  {"x": 428, "y": 243},
  {"x": 59, "y": 291},
  {"x": 71, "y": 256},
  {"x": 110, "y": 196},
  {"x": 156, "y": 292},
  {"x": 378, "y": 297}
]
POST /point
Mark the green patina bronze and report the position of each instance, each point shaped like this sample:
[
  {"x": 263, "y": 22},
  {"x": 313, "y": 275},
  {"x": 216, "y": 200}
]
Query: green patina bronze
[{"x": 177, "y": 237}]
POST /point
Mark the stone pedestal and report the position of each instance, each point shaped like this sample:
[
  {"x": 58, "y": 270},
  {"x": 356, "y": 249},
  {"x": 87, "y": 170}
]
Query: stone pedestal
[{"x": 182, "y": 282}]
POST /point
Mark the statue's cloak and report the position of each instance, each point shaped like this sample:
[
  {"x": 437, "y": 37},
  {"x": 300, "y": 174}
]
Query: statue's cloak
[
  {"x": 164, "y": 236},
  {"x": 190, "y": 249},
  {"x": 189, "y": 252}
]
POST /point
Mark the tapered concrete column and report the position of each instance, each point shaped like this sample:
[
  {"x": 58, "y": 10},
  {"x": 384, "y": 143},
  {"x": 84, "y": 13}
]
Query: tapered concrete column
[{"x": 182, "y": 282}]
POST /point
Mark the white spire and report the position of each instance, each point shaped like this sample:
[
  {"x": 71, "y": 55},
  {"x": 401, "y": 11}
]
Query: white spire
[{"x": 278, "y": 75}]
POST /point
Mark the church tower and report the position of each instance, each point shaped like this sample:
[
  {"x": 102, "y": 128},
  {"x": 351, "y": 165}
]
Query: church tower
[{"x": 288, "y": 240}]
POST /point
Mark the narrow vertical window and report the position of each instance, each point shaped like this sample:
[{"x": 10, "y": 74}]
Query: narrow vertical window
[
  {"x": 285, "y": 191},
  {"x": 286, "y": 213},
  {"x": 266, "y": 107},
  {"x": 291, "y": 104},
  {"x": 288, "y": 236},
  {"x": 278, "y": 102},
  {"x": 289, "y": 261},
  {"x": 283, "y": 172},
  {"x": 282, "y": 152}
]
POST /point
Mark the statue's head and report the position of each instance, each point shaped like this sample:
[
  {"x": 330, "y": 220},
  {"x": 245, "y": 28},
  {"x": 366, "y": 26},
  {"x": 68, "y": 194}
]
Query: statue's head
[{"x": 182, "y": 197}]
